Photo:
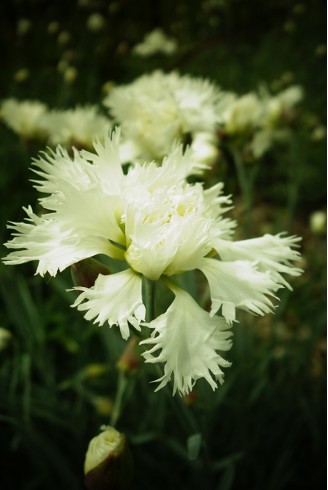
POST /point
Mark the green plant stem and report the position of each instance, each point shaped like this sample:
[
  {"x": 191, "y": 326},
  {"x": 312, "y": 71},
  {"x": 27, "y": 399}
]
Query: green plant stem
[
  {"x": 123, "y": 378},
  {"x": 246, "y": 187},
  {"x": 149, "y": 299},
  {"x": 118, "y": 402}
]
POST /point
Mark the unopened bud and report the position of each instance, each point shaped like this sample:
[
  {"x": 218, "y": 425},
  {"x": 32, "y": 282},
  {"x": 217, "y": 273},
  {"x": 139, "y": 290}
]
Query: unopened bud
[
  {"x": 108, "y": 462},
  {"x": 318, "y": 221},
  {"x": 191, "y": 398},
  {"x": 96, "y": 22},
  {"x": 5, "y": 338},
  {"x": 85, "y": 272},
  {"x": 70, "y": 74},
  {"x": 21, "y": 75},
  {"x": 130, "y": 358},
  {"x": 103, "y": 405},
  {"x": 94, "y": 370}
]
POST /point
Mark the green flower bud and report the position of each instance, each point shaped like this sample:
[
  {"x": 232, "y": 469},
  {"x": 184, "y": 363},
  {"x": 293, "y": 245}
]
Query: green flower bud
[{"x": 108, "y": 462}]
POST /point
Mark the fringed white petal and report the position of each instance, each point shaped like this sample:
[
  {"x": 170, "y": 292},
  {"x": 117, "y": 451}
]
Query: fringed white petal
[
  {"x": 116, "y": 299},
  {"x": 186, "y": 338},
  {"x": 88, "y": 212},
  {"x": 238, "y": 285},
  {"x": 273, "y": 253},
  {"x": 53, "y": 246},
  {"x": 107, "y": 163}
]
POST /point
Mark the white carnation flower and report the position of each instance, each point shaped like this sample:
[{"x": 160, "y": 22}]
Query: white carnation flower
[
  {"x": 159, "y": 226},
  {"x": 242, "y": 114},
  {"x": 24, "y": 117},
  {"x": 159, "y": 109},
  {"x": 278, "y": 105},
  {"x": 79, "y": 126},
  {"x": 271, "y": 125}
]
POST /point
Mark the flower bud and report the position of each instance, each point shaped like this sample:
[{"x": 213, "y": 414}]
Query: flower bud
[
  {"x": 108, "y": 462},
  {"x": 70, "y": 74},
  {"x": 130, "y": 358},
  {"x": 21, "y": 75},
  {"x": 96, "y": 22},
  {"x": 85, "y": 272},
  {"x": 5, "y": 338},
  {"x": 318, "y": 221}
]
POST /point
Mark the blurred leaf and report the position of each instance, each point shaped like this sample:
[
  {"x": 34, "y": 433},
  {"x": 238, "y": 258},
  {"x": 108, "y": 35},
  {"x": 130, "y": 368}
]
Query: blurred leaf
[{"x": 193, "y": 446}]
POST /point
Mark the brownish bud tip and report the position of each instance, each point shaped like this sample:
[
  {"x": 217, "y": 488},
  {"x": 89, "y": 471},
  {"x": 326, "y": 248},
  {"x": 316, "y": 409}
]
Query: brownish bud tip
[
  {"x": 85, "y": 272},
  {"x": 130, "y": 358}
]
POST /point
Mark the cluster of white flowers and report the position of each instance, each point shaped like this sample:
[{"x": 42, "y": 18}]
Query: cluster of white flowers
[
  {"x": 160, "y": 226},
  {"x": 158, "y": 110},
  {"x": 79, "y": 126}
]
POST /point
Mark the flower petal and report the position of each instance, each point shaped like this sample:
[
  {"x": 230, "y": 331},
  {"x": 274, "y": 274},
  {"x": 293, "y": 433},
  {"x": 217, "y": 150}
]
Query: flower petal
[
  {"x": 271, "y": 253},
  {"x": 238, "y": 285},
  {"x": 88, "y": 211},
  {"x": 48, "y": 242},
  {"x": 188, "y": 339},
  {"x": 116, "y": 299}
]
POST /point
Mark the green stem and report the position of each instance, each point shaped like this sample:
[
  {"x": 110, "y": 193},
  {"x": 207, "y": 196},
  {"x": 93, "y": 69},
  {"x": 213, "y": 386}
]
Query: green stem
[
  {"x": 118, "y": 402},
  {"x": 149, "y": 290},
  {"x": 245, "y": 185}
]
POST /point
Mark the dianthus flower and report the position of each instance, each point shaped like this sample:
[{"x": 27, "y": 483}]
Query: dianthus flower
[
  {"x": 277, "y": 114},
  {"x": 78, "y": 126},
  {"x": 160, "y": 226},
  {"x": 24, "y": 117},
  {"x": 158, "y": 109}
]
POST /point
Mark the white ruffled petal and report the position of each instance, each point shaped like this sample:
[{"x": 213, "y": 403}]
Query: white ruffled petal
[
  {"x": 238, "y": 285},
  {"x": 188, "y": 339},
  {"x": 116, "y": 299},
  {"x": 51, "y": 244},
  {"x": 271, "y": 253},
  {"x": 88, "y": 212}
]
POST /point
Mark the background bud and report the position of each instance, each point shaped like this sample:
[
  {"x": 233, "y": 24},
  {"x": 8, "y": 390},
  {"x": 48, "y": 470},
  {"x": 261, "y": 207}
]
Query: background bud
[{"x": 130, "y": 359}]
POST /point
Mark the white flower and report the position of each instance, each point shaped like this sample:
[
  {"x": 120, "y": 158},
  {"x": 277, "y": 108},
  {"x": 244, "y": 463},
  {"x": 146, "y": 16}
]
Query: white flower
[
  {"x": 79, "y": 126},
  {"x": 242, "y": 114},
  {"x": 158, "y": 110},
  {"x": 154, "y": 42},
  {"x": 205, "y": 148},
  {"x": 160, "y": 226},
  {"x": 272, "y": 128},
  {"x": 188, "y": 339},
  {"x": 276, "y": 106},
  {"x": 24, "y": 117}
]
